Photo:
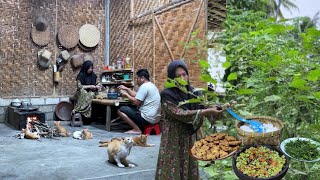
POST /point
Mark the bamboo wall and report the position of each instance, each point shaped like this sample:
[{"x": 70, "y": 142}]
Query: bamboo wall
[
  {"x": 146, "y": 46},
  {"x": 216, "y": 14},
  {"x": 176, "y": 25},
  {"x": 141, "y": 41},
  {"x": 19, "y": 73}
]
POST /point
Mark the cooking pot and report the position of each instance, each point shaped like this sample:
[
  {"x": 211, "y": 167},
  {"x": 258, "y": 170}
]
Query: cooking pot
[
  {"x": 26, "y": 103},
  {"x": 16, "y": 103}
]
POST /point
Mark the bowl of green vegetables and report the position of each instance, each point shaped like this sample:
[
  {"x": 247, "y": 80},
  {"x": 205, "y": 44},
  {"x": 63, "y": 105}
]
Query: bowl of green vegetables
[
  {"x": 260, "y": 163},
  {"x": 301, "y": 149}
]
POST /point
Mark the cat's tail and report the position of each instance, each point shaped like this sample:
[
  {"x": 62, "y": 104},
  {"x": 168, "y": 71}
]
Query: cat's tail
[
  {"x": 104, "y": 144},
  {"x": 150, "y": 145},
  {"x": 104, "y": 141}
]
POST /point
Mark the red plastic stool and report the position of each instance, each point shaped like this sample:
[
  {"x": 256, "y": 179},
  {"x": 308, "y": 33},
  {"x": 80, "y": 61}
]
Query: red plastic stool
[{"x": 149, "y": 128}]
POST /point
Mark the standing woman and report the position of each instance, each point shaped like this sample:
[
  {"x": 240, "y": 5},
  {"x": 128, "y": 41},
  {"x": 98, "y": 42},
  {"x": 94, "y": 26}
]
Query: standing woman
[
  {"x": 179, "y": 128},
  {"x": 86, "y": 88}
]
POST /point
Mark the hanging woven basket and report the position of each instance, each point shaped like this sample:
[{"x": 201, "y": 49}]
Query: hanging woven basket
[
  {"x": 68, "y": 36},
  {"x": 40, "y": 38},
  {"x": 89, "y": 35},
  {"x": 77, "y": 61}
]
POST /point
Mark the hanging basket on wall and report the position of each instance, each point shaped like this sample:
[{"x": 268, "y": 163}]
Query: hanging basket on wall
[
  {"x": 40, "y": 32},
  {"x": 89, "y": 35},
  {"x": 68, "y": 36}
]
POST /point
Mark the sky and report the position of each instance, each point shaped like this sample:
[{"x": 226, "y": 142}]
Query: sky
[{"x": 306, "y": 8}]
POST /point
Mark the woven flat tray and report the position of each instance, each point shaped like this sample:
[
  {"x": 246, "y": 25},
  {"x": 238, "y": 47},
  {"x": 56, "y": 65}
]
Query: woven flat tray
[
  {"x": 68, "y": 36},
  {"x": 89, "y": 35},
  {"x": 41, "y": 38},
  {"x": 84, "y": 48}
]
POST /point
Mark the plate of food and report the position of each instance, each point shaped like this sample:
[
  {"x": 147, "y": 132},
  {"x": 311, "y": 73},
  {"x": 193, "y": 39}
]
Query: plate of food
[
  {"x": 217, "y": 146},
  {"x": 301, "y": 149},
  {"x": 260, "y": 162}
]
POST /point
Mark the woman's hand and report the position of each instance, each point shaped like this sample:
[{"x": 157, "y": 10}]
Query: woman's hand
[
  {"x": 122, "y": 87},
  {"x": 98, "y": 87},
  {"x": 89, "y": 86},
  {"x": 216, "y": 111}
]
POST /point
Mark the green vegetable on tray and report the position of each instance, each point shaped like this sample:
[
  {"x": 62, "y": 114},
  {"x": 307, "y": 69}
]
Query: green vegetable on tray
[
  {"x": 260, "y": 162},
  {"x": 301, "y": 149}
]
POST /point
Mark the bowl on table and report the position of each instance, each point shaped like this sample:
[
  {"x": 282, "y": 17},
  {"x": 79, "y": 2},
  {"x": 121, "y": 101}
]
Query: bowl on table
[{"x": 112, "y": 95}]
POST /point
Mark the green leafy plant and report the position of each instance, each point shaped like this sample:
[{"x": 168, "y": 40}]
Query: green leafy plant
[{"x": 272, "y": 69}]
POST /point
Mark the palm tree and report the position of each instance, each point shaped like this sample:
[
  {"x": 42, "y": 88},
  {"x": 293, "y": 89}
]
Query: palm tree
[{"x": 271, "y": 7}]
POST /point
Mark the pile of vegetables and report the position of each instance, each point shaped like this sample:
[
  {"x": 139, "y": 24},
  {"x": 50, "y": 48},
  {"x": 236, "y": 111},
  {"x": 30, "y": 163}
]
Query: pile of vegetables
[
  {"x": 302, "y": 149},
  {"x": 260, "y": 162}
]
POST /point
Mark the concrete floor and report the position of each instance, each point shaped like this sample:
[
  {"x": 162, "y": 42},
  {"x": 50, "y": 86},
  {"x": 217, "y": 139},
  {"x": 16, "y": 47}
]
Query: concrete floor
[{"x": 68, "y": 158}]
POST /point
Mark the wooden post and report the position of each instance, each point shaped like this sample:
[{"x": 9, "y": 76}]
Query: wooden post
[
  {"x": 108, "y": 118},
  {"x": 154, "y": 49},
  {"x": 131, "y": 15},
  {"x": 55, "y": 46},
  {"x": 191, "y": 30},
  {"x": 164, "y": 38}
]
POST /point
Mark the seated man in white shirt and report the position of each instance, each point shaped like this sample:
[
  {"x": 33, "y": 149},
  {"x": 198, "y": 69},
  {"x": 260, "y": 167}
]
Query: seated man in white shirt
[{"x": 146, "y": 100}]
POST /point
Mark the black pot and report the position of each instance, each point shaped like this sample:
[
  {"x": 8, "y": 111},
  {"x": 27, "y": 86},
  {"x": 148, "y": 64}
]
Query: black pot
[{"x": 242, "y": 176}]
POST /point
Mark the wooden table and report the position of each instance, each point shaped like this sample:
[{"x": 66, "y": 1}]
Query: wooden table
[{"x": 108, "y": 103}]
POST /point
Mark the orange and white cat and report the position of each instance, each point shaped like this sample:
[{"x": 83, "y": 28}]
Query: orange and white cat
[
  {"x": 62, "y": 131},
  {"x": 140, "y": 140},
  {"x": 30, "y": 135},
  {"x": 86, "y": 134},
  {"x": 119, "y": 150},
  {"x": 83, "y": 134}
]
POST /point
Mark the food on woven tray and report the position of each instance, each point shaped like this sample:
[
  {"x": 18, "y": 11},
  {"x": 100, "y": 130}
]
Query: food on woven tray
[
  {"x": 215, "y": 146},
  {"x": 260, "y": 162},
  {"x": 267, "y": 127},
  {"x": 302, "y": 149}
]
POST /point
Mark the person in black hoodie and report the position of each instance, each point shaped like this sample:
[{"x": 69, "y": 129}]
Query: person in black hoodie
[{"x": 86, "y": 87}]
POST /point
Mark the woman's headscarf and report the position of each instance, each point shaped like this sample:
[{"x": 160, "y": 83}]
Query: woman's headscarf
[
  {"x": 84, "y": 77},
  {"x": 175, "y": 95}
]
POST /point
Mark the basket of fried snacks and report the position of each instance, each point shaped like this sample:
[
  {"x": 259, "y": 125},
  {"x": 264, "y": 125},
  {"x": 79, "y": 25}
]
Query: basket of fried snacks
[{"x": 217, "y": 146}]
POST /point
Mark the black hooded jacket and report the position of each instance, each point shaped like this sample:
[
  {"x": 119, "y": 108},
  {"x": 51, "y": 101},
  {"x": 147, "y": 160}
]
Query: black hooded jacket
[
  {"x": 84, "y": 77},
  {"x": 175, "y": 95}
]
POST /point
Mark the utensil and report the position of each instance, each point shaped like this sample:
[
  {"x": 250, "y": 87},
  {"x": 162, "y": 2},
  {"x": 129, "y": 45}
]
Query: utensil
[
  {"x": 283, "y": 147},
  {"x": 63, "y": 110},
  {"x": 16, "y": 103},
  {"x": 255, "y": 125},
  {"x": 26, "y": 103}
]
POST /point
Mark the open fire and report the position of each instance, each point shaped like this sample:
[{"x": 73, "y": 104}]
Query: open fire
[
  {"x": 18, "y": 119},
  {"x": 30, "y": 121}
]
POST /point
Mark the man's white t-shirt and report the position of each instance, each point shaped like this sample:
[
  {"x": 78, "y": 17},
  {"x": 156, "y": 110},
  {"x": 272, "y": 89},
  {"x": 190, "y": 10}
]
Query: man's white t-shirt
[{"x": 149, "y": 96}]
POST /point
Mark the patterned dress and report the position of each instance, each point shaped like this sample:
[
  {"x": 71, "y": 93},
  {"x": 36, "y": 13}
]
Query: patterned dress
[
  {"x": 83, "y": 105},
  {"x": 175, "y": 161}
]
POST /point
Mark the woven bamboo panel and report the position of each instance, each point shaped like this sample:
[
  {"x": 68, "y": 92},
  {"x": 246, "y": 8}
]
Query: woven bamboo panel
[
  {"x": 163, "y": 2},
  {"x": 143, "y": 36},
  {"x": 19, "y": 73},
  {"x": 176, "y": 25},
  {"x": 19, "y": 65},
  {"x": 78, "y": 13},
  {"x": 7, "y": 31},
  {"x": 216, "y": 14},
  {"x": 120, "y": 31}
]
